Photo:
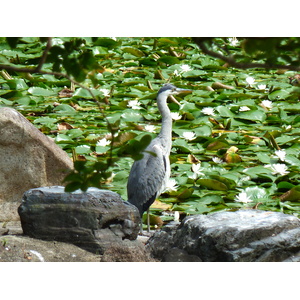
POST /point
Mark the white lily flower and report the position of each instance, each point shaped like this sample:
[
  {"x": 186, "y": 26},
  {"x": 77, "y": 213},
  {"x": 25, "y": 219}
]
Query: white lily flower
[
  {"x": 262, "y": 86},
  {"x": 176, "y": 73},
  {"x": 189, "y": 135},
  {"x": 280, "y": 169},
  {"x": 287, "y": 127},
  {"x": 208, "y": 111},
  {"x": 267, "y": 103},
  {"x": 250, "y": 80},
  {"x": 280, "y": 154},
  {"x": 103, "y": 142},
  {"x": 185, "y": 68},
  {"x": 233, "y": 41},
  {"x": 150, "y": 128},
  {"x": 134, "y": 104},
  {"x": 106, "y": 92},
  {"x": 244, "y": 108},
  {"x": 243, "y": 197},
  {"x": 196, "y": 168},
  {"x": 217, "y": 160},
  {"x": 256, "y": 192},
  {"x": 175, "y": 116},
  {"x": 171, "y": 185}
]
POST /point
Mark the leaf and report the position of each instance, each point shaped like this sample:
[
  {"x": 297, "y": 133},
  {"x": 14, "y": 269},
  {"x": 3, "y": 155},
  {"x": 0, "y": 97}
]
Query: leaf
[
  {"x": 185, "y": 194},
  {"x": 170, "y": 60},
  {"x": 203, "y": 130},
  {"x": 37, "y": 91},
  {"x": 101, "y": 149},
  {"x": 292, "y": 160},
  {"x": 134, "y": 51},
  {"x": 211, "y": 199},
  {"x": 230, "y": 184},
  {"x": 12, "y": 41},
  {"x": 132, "y": 116},
  {"x": 135, "y": 147},
  {"x": 255, "y": 171},
  {"x": 212, "y": 184},
  {"x": 121, "y": 178},
  {"x": 17, "y": 84},
  {"x": 279, "y": 94},
  {"x": 291, "y": 195},
  {"x": 193, "y": 74},
  {"x": 263, "y": 157},
  {"x": 203, "y": 209},
  {"x": 232, "y": 158},
  {"x": 64, "y": 126},
  {"x": 72, "y": 186},
  {"x": 256, "y": 115},
  {"x": 215, "y": 145},
  {"x": 160, "y": 205},
  {"x": 83, "y": 149},
  {"x": 182, "y": 145},
  {"x": 45, "y": 120},
  {"x": 284, "y": 185},
  {"x": 63, "y": 138},
  {"x": 64, "y": 109}
]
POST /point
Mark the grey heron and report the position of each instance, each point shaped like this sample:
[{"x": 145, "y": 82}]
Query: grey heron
[{"x": 148, "y": 176}]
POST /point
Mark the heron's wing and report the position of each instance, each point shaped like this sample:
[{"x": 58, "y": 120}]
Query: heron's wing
[{"x": 147, "y": 178}]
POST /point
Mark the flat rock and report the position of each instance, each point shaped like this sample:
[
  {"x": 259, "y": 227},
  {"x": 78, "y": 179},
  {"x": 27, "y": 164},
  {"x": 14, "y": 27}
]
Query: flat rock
[
  {"x": 25, "y": 249},
  {"x": 28, "y": 159},
  {"x": 244, "y": 235},
  {"x": 93, "y": 220}
]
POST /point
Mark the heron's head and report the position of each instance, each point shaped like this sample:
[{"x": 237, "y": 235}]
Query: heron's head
[{"x": 170, "y": 89}]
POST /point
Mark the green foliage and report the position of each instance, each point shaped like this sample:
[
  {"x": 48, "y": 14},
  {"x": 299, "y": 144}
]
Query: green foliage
[
  {"x": 228, "y": 158},
  {"x": 271, "y": 51}
]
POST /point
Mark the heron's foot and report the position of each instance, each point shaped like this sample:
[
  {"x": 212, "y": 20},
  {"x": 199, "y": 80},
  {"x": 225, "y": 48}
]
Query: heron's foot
[{"x": 146, "y": 233}]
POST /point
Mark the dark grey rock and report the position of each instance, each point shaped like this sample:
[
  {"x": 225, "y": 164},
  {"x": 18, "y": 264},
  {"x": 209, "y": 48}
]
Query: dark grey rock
[
  {"x": 179, "y": 255},
  {"x": 92, "y": 220},
  {"x": 245, "y": 235},
  {"x": 162, "y": 240}
]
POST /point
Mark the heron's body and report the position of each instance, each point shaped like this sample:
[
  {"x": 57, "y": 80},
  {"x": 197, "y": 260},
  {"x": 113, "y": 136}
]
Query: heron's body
[{"x": 149, "y": 175}]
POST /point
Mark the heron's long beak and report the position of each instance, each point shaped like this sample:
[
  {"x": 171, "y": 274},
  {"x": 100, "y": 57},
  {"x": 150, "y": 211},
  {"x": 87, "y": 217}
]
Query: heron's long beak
[
  {"x": 180, "y": 91},
  {"x": 183, "y": 91}
]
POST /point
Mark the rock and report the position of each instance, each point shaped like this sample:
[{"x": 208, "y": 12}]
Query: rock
[
  {"x": 162, "y": 240},
  {"x": 179, "y": 255},
  {"x": 244, "y": 235},
  {"x": 93, "y": 220},
  {"x": 28, "y": 159},
  {"x": 13, "y": 227},
  {"x": 26, "y": 249},
  {"x": 127, "y": 251}
]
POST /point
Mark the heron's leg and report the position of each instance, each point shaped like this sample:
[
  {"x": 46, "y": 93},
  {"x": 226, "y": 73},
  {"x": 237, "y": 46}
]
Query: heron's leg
[
  {"x": 148, "y": 220},
  {"x": 141, "y": 226}
]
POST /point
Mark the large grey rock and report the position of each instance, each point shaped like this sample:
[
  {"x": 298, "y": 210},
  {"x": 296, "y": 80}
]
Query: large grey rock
[
  {"x": 93, "y": 220},
  {"x": 28, "y": 159},
  {"x": 245, "y": 235}
]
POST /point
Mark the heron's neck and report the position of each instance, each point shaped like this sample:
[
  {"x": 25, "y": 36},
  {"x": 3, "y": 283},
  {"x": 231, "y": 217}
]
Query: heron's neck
[{"x": 166, "y": 127}]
